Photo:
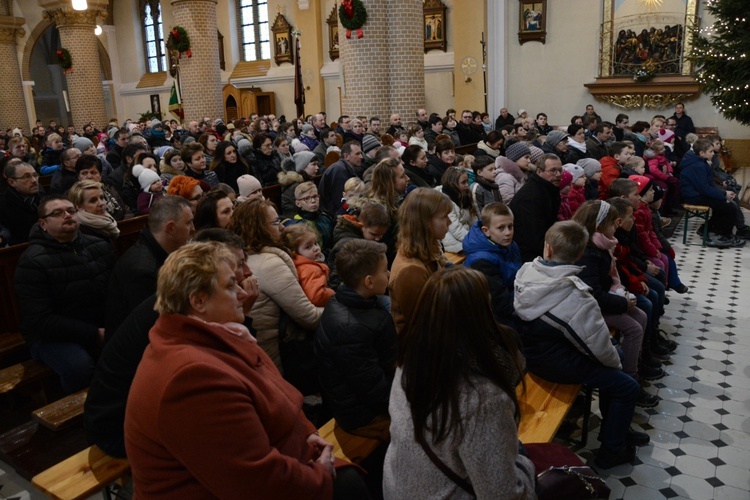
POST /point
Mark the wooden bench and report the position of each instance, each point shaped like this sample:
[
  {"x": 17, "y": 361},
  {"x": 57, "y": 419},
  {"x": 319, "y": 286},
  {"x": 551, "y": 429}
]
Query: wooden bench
[
  {"x": 82, "y": 475},
  {"x": 455, "y": 258},
  {"x": 21, "y": 374},
  {"x": 696, "y": 212},
  {"x": 63, "y": 412},
  {"x": 347, "y": 446},
  {"x": 543, "y": 407},
  {"x": 10, "y": 343}
]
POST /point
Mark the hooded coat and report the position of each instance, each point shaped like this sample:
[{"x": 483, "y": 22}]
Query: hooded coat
[
  {"x": 509, "y": 178},
  {"x": 559, "y": 308}
]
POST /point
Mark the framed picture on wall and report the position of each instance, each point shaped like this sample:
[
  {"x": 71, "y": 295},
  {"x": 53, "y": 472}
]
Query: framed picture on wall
[
  {"x": 434, "y": 26},
  {"x": 155, "y": 104},
  {"x": 532, "y": 21},
  {"x": 333, "y": 34},
  {"x": 282, "y": 40}
]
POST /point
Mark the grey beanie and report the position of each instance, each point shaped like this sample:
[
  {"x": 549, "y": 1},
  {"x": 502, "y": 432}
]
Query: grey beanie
[
  {"x": 307, "y": 128},
  {"x": 82, "y": 144},
  {"x": 517, "y": 151},
  {"x": 155, "y": 123},
  {"x": 302, "y": 160},
  {"x": 369, "y": 142},
  {"x": 554, "y": 137},
  {"x": 243, "y": 146},
  {"x": 590, "y": 166},
  {"x": 575, "y": 170}
]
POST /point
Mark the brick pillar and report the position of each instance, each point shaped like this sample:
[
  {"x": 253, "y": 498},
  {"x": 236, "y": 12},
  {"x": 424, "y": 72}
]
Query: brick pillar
[
  {"x": 406, "y": 58},
  {"x": 365, "y": 64},
  {"x": 384, "y": 71},
  {"x": 85, "y": 91},
  {"x": 12, "y": 104},
  {"x": 200, "y": 75}
]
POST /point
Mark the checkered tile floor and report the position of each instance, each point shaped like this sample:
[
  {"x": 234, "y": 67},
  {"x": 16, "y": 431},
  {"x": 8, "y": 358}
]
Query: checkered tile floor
[{"x": 700, "y": 431}]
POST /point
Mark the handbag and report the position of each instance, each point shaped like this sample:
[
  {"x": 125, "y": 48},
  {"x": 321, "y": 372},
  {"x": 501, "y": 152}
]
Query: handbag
[{"x": 561, "y": 474}]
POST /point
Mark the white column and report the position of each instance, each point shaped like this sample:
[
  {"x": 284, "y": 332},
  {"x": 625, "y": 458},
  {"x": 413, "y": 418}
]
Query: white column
[
  {"x": 497, "y": 40},
  {"x": 114, "y": 61}
]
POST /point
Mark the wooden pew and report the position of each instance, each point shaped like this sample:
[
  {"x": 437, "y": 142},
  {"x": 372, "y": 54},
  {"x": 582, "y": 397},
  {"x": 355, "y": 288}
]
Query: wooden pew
[
  {"x": 63, "y": 412},
  {"x": 543, "y": 407},
  {"x": 22, "y": 374},
  {"x": 347, "y": 446},
  {"x": 455, "y": 258},
  {"x": 82, "y": 475}
]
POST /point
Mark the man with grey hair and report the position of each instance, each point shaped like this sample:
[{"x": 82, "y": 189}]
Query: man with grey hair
[
  {"x": 170, "y": 226},
  {"x": 535, "y": 206}
]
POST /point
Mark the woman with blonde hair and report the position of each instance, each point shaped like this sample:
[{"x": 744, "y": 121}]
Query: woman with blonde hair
[
  {"x": 258, "y": 224},
  {"x": 453, "y": 399},
  {"x": 423, "y": 222},
  {"x": 245, "y": 430},
  {"x": 88, "y": 197}
]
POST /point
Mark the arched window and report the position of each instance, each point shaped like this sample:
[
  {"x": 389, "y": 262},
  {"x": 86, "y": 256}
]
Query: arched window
[
  {"x": 254, "y": 30},
  {"x": 153, "y": 36}
]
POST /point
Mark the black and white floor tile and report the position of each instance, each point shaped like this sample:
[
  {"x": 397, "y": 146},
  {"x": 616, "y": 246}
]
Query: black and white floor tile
[{"x": 700, "y": 431}]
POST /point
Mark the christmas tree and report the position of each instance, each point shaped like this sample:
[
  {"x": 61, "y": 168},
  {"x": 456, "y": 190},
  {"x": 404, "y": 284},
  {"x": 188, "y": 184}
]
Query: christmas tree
[{"x": 720, "y": 53}]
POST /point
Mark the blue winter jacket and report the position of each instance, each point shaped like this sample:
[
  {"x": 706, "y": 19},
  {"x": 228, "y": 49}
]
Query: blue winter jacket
[
  {"x": 697, "y": 180},
  {"x": 477, "y": 246}
]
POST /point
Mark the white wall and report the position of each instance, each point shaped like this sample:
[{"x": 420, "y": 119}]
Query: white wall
[{"x": 549, "y": 78}]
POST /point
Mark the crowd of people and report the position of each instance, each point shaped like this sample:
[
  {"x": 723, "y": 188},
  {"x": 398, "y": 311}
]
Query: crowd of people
[{"x": 261, "y": 322}]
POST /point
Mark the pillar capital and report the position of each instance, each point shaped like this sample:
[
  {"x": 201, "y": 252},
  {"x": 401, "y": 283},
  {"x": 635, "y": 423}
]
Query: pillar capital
[
  {"x": 66, "y": 16},
  {"x": 177, "y": 2},
  {"x": 10, "y": 28}
]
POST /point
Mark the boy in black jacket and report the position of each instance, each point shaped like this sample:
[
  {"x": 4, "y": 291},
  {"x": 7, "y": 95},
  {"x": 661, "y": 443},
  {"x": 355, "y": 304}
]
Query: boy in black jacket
[{"x": 356, "y": 342}]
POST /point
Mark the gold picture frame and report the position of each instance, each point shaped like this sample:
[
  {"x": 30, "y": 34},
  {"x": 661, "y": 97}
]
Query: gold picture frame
[
  {"x": 283, "y": 43},
  {"x": 333, "y": 33},
  {"x": 435, "y": 36},
  {"x": 532, "y": 21}
]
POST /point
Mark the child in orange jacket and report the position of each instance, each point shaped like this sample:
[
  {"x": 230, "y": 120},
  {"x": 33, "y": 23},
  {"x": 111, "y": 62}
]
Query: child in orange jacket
[{"x": 309, "y": 260}]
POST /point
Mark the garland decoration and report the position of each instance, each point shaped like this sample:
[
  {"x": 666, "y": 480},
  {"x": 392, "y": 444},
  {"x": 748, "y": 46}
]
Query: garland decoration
[
  {"x": 66, "y": 63},
  {"x": 352, "y": 14},
  {"x": 179, "y": 40}
]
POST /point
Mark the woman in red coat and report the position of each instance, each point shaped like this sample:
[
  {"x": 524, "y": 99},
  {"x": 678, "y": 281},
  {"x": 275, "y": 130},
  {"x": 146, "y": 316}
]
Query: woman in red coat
[{"x": 209, "y": 415}]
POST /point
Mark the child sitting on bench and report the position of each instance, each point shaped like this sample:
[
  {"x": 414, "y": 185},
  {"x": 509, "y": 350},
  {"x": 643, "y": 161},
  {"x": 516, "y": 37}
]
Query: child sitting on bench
[{"x": 566, "y": 341}]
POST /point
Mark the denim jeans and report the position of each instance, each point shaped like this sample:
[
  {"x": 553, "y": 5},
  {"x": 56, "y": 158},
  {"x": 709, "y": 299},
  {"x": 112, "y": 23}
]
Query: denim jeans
[
  {"x": 71, "y": 362},
  {"x": 618, "y": 391},
  {"x": 673, "y": 279}
]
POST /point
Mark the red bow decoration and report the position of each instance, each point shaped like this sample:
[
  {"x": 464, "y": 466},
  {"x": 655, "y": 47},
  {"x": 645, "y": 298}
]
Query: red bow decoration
[
  {"x": 176, "y": 35},
  {"x": 349, "y": 12}
]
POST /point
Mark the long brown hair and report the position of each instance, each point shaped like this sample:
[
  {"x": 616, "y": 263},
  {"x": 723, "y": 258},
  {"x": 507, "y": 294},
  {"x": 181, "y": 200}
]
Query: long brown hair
[
  {"x": 382, "y": 187},
  {"x": 443, "y": 347},
  {"x": 416, "y": 238},
  {"x": 250, "y": 222}
]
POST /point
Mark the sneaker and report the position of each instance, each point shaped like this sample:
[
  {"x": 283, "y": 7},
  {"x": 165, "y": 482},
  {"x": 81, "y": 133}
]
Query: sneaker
[
  {"x": 737, "y": 242},
  {"x": 719, "y": 241},
  {"x": 681, "y": 289},
  {"x": 743, "y": 233},
  {"x": 647, "y": 373},
  {"x": 658, "y": 350},
  {"x": 606, "y": 459},
  {"x": 636, "y": 438},
  {"x": 645, "y": 400}
]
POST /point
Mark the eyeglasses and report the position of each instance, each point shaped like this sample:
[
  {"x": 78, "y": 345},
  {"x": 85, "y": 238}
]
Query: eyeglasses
[
  {"x": 61, "y": 212},
  {"x": 310, "y": 198},
  {"x": 26, "y": 177},
  {"x": 556, "y": 171},
  {"x": 276, "y": 222}
]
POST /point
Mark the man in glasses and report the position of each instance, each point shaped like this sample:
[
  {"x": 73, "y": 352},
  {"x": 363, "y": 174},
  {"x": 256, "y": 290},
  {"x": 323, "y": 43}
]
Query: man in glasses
[
  {"x": 536, "y": 205},
  {"x": 61, "y": 286},
  {"x": 467, "y": 133},
  {"x": 19, "y": 202}
]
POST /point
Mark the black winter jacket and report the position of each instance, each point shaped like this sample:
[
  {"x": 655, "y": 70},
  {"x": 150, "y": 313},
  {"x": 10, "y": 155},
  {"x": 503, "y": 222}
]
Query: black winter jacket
[
  {"x": 133, "y": 279},
  {"x": 356, "y": 347},
  {"x": 61, "y": 288},
  {"x": 596, "y": 265},
  {"x": 535, "y": 207},
  {"x": 18, "y": 213}
]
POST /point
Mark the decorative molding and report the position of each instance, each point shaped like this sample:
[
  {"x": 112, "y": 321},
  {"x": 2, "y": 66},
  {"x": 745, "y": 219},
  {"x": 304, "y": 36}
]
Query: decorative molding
[
  {"x": 66, "y": 16},
  {"x": 660, "y": 92},
  {"x": 437, "y": 62},
  {"x": 151, "y": 80},
  {"x": 8, "y": 35},
  {"x": 331, "y": 71},
  {"x": 274, "y": 75},
  {"x": 131, "y": 89},
  {"x": 246, "y": 69}
]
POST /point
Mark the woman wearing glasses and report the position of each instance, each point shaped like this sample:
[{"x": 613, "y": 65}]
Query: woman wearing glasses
[{"x": 258, "y": 224}]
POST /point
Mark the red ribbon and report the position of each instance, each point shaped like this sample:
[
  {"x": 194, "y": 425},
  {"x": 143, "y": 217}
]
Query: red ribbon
[{"x": 359, "y": 33}]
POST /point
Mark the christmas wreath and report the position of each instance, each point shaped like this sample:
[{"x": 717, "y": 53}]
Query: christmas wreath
[
  {"x": 66, "y": 63},
  {"x": 353, "y": 15},
  {"x": 179, "y": 40}
]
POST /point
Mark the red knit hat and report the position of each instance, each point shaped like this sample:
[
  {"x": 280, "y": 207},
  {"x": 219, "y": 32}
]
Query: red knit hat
[{"x": 644, "y": 183}]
